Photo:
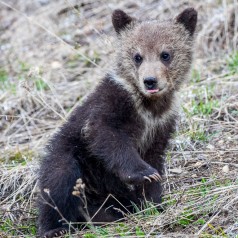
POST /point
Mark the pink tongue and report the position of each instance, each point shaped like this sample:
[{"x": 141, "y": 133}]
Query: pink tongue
[{"x": 153, "y": 91}]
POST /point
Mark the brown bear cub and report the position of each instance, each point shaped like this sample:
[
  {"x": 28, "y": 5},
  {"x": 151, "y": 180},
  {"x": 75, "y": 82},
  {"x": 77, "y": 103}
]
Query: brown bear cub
[{"x": 115, "y": 141}]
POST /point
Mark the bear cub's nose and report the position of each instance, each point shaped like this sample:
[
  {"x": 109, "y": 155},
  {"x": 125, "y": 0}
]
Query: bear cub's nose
[{"x": 150, "y": 83}]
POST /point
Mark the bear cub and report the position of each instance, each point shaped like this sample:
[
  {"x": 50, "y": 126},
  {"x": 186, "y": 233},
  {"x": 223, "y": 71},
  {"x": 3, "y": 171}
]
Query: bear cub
[{"x": 114, "y": 142}]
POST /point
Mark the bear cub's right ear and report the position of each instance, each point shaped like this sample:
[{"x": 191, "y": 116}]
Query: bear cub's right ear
[
  {"x": 189, "y": 19},
  {"x": 120, "y": 20}
]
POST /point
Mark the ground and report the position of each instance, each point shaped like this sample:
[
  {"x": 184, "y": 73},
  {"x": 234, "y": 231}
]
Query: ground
[{"x": 53, "y": 53}]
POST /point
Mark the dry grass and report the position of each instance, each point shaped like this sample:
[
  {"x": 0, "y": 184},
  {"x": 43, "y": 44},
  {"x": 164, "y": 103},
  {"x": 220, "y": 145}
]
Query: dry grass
[{"x": 53, "y": 53}]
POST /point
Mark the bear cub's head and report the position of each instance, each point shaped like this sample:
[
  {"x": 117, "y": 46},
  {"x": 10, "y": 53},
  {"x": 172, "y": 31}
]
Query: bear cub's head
[{"x": 154, "y": 57}]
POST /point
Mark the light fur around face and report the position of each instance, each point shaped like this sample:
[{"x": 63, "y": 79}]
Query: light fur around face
[{"x": 150, "y": 39}]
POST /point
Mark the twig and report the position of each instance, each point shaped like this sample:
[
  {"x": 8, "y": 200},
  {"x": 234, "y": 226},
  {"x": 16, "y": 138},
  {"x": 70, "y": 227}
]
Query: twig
[{"x": 208, "y": 222}]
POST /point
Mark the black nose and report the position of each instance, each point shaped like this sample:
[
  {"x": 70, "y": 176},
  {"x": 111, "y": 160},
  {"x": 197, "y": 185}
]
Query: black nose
[{"x": 150, "y": 82}]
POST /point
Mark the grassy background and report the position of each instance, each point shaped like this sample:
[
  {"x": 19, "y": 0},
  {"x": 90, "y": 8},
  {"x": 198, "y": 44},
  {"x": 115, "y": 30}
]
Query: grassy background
[{"x": 53, "y": 53}]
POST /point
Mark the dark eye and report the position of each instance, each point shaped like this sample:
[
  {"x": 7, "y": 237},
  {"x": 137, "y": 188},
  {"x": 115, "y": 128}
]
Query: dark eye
[
  {"x": 138, "y": 58},
  {"x": 165, "y": 56}
]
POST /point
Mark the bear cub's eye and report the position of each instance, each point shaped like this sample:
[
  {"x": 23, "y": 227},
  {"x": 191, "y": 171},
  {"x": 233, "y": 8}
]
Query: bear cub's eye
[
  {"x": 165, "y": 56},
  {"x": 138, "y": 58}
]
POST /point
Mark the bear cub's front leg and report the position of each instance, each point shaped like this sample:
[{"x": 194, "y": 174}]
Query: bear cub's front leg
[{"x": 119, "y": 155}]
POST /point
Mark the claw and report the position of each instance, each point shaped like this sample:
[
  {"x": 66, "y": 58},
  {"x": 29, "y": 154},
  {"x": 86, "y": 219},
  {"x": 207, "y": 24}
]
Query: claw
[
  {"x": 153, "y": 176},
  {"x": 158, "y": 176},
  {"x": 147, "y": 178}
]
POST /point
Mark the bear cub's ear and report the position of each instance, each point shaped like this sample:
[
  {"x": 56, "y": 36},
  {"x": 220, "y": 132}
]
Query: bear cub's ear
[
  {"x": 120, "y": 20},
  {"x": 189, "y": 19}
]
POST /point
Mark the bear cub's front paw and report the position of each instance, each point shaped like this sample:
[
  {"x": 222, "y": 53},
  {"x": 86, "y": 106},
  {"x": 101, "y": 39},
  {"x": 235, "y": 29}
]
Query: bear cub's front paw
[
  {"x": 140, "y": 176},
  {"x": 58, "y": 232}
]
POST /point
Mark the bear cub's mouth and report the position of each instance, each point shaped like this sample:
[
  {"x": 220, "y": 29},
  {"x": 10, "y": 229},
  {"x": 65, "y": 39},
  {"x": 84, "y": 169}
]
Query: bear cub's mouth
[
  {"x": 151, "y": 85},
  {"x": 152, "y": 91}
]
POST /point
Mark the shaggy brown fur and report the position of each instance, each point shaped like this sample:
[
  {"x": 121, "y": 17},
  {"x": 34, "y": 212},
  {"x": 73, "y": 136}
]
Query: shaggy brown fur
[{"x": 115, "y": 141}]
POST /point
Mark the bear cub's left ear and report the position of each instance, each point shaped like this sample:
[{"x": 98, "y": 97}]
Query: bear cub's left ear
[
  {"x": 189, "y": 19},
  {"x": 120, "y": 20}
]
